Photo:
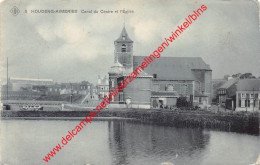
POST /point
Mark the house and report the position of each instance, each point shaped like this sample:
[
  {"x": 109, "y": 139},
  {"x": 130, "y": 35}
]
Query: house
[
  {"x": 216, "y": 83},
  {"x": 248, "y": 95},
  {"x": 227, "y": 93}
]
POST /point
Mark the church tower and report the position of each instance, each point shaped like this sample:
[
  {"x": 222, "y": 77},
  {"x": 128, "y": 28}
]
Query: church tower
[{"x": 124, "y": 51}]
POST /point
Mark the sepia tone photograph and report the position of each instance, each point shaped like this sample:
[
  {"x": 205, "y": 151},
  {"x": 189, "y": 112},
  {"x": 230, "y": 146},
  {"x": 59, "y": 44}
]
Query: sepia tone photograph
[{"x": 151, "y": 82}]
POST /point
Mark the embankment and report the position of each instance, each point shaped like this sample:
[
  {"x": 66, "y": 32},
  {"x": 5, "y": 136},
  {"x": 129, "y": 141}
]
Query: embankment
[{"x": 234, "y": 122}]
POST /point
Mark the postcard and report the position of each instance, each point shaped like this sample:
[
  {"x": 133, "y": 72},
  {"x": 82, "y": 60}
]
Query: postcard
[{"x": 106, "y": 82}]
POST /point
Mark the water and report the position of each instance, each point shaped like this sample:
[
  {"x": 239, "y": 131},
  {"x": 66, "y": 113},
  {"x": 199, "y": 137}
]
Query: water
[{"x": 119, "y": 142}]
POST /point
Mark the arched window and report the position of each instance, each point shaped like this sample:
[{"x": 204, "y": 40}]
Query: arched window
[{"x": 123, "y": 48}]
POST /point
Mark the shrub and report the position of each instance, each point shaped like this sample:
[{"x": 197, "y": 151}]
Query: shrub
[{"x": 183, "y": 103}]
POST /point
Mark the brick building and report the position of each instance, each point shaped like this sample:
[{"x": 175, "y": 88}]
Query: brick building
[{"x": 162, "y": 82}]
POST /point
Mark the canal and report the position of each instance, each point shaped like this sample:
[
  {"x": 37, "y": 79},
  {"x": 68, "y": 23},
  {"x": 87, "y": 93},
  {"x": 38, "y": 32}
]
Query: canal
[{"x": 119, "y": 142}]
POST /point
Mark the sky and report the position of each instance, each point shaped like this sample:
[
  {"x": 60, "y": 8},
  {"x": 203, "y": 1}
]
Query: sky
[{"x": 77, "y": 47}]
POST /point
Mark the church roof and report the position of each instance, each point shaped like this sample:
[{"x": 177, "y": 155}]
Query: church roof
[
  {"x": 173, "y": 68},
  {"x": 144, "y": 74},
  {"x": 123, "y": 37}
]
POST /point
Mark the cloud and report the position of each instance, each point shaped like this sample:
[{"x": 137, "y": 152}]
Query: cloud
[
  {"x": 46, "y": 32},
  {"x": 70, "y": 29},
  {"x": 83, "y": 41},
  {"x": 145, "y": 31}
]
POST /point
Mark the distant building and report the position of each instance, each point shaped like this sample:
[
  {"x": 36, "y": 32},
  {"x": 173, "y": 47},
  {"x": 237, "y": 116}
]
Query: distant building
[
  {"x": 54, "y": 89},
  {"x": 227, "y": 91},
  {"x": 93, "y": 93},
  {"x": 216, "y": 83},
  {"x": 27, "y": 88},
  {"x": 162, "y": 82},
  {"x": 248, "y": 95},
  {"x": 82, "y": 88},
  {"x": 23, "y": 84},
  {"x": 102, "y": 87}
]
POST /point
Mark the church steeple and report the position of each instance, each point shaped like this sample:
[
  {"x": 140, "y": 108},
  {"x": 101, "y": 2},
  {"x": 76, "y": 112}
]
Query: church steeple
[
  {"x": 124, "y": 50},
  {"x": 123, "y": 36}
]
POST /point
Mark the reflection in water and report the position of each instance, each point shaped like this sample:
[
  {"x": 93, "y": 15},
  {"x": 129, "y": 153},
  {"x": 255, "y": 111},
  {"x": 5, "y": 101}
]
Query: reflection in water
[
  {"x": 123, "y": 142},
  {"x": 141, "y": 141}
]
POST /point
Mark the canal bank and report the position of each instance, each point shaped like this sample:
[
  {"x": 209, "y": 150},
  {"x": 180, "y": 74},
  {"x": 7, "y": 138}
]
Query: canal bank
[{"x": 233, "y": 122}]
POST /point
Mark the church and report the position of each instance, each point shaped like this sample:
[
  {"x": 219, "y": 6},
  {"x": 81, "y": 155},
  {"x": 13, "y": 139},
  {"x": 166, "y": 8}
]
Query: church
[{"x": 161, "y": 83}]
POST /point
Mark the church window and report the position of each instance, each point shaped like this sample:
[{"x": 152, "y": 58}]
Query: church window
[{"x": 123, "y": 48}]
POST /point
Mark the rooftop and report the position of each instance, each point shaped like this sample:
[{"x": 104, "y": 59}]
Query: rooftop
[
  {"x": 229, "y": 83},
  {"x": 30, "y": 79},
  {"x": 248, "y": 85},
  {"x": 173, "y": 68}
]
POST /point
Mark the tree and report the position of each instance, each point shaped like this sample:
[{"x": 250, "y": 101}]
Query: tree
[
  {"x": 25, "y": 89},
  {"x": 247, "y": 76},
  {"x": 182, "y": 102},
  {"x": 236, "y": 75},
  {"x": 243, "y": 76}
]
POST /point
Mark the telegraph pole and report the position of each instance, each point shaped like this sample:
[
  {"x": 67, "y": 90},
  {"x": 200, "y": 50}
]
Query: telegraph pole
[
  {"x": 253, "y": 99},
  {"x": 70, "y": 93},
  {"x": 7, "y": 79}
]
